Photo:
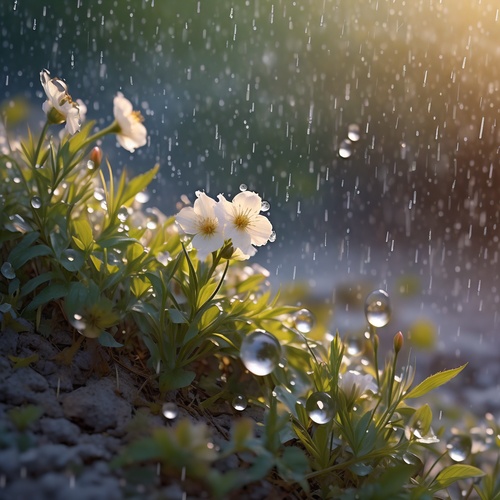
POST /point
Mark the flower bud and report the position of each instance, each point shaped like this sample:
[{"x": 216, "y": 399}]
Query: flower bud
[
  {"x": 227, "y": 252},
  {"x": 96, "y": 156},
  {"x": 398, "y": 342}
]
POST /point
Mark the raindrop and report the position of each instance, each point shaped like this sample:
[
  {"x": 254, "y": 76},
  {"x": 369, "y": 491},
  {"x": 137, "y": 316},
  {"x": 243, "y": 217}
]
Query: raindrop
[
  {"x": 36, "y": 202},
  {"x": 272, "y": 237},
  {"x": 320, "y": 407},
  {"x": 353, "y": 132},
  {"x": 265, "y": 206},
  {"x": 142, "y": 197},
  {"x": 411, "y": 459},
  {"x": 345, "y": 148},
  {"x": 8, "y": 271},
  {"x": 303, "y": 321},
  {"x": 354, "y": 347},
  {"x": 99, "y": 194},
  {"x": 459, "y": 447},
  {"x": 152, "y": 219},
  {"x": 170, "y": 410},
  {"x": 78, "y": 322},
  {"x": 260, "y": 352},
  {"x": 243, "y": 187},
  {"x": 239, "y": 402},
  {"x": 378, "y": 308},
  {"x": 90, "y": 165}
]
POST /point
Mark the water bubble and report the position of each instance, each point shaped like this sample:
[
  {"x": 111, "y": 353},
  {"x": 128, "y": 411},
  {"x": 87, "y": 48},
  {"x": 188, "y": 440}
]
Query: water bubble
[
  {"x": 239, "y": 402},
  {"x": 354, "y": 347},
  {"x": 265, "y": 206},
  {"x": 320, "y": 407},
  {"x": 8, "y": 271},
  {"x": 378, "y": 308},
  {"x": 459, "y": 447},
  {"x": 170, "y": 410},
  {"x": 122, "y": 214},
  {"x": 303, "y": 321},
  {"x": 142, "y": 197},
  {"x": 99, "y": 194},
  {"x": 260, "y": 352},
  {"x": 345, "y": 148},
  {"x": 243, "y": 187},
  {"x": 272, "y": 237},
  {"x": 36, "y": 202},
  {"x": 353, "y": 132}
]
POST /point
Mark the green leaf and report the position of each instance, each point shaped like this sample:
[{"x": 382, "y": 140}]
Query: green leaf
[
  {"x": 433, "y": 382},
  {"x": 177, "y": 316},
  {"x": 72, "y": 260},
  {"x": 83, "y": 234},
  {"x": 23, "y": 362},
  {"x": 35, "y": 282},
  {"x": 138, "y": 184},
  {"x": 454, "y": 473},
  {"x": 107, "y": 340},
  {"x": 175, "y": 379},
  {"x": 48, "y": 294}
]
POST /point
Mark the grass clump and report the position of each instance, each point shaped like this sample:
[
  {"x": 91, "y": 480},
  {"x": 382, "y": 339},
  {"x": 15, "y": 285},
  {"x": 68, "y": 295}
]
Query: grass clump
[{"x": 173, "y": 296}]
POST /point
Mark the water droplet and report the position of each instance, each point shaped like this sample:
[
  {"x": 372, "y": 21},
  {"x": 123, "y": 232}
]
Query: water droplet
[
  {"x": 90, "y": 165},
  {"x": 304, "y": 320},
  {"x": 265, "y": 206},
  {"x": 170, "y": 410},
  {"x": 411, "y": 459},
  {"x": 378, "y": 308},
  {"x": 36, "y": 202},
  {"x": 260, "y": 352},
  {"x": 272, "y": 237},
  {"x": 459, "y": 447},
  {"x": 345, "y": 148},
  {"x": 320, "y": 407},
  {"x": 243, "y": 187},
  {"x": 354, "y": 347},
  {"x": 142, "y": 197},
  {"x": 78, "y": 322},
  {"x": 152, "y": 219},
  {"x": 239, "y": 402},
  {"x": 99, "y": 194},
  {"x": 122, "y": 214},
  {"x": 8, "y": 271},
  {"x": 353, "y": 132}
]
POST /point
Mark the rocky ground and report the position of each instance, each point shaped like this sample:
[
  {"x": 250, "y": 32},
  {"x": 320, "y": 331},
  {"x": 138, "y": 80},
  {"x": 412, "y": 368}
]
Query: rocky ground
[{"x": 86, "y": 419}]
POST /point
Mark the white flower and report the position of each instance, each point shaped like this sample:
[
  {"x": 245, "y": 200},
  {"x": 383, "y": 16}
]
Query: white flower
[
  {"x": 59, "y": 107},
  {"x": 132, "y": 133},
  {"x": 243, "y": 223},
  {"x": 354, "y": 385},
  {"x": 200, "y": 220}
]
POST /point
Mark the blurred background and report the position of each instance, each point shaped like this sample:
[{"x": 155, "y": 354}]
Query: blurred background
[{"x": 370, "y": 126}]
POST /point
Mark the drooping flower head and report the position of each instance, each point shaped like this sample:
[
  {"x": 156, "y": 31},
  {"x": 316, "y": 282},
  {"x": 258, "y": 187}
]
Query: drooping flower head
[
  {"x": 201, "y": 222},
  {"x": 59, "y": 107},
  {"x": 243, "y": 223},
  {"x": 132, "y": 134}
]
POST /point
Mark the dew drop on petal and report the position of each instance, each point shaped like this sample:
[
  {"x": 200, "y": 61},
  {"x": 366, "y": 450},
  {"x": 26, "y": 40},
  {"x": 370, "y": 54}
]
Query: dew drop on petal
[
  {"x": 272, "y": 237},
  {"x": 265, "y": 206},
  {"x": 459, "y": 447},
  {"x": 353, "y": 132},
  {"x": 378, "y": 308},
  {"x": 260, "y": 352},
  {"x": 304, "y": 320},
  {"x": 170, "y": 410},
  {"x": 8, "y": 271},
  {"x": 239, "y": 402},
  {"x": 345, "y": 148},
  {"x": 320, "y": 407},
  {"x": 243, "y": 187},
  {"x": 36, "y": 202}
]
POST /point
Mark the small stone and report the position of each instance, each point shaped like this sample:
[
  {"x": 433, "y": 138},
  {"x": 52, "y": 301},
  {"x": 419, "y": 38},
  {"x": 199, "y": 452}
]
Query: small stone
[
  {"x": 10, "y": 462},
  {"x": 49, "y": 457},
  {"x": 97, "y": 407},
  {"x": 8, "y": 341},
  {"x": 60, "y": 430}
]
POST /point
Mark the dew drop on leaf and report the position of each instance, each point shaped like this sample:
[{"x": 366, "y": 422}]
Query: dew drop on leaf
[
  {"x": 378, "y": 308},
  {"x": 36, "y": 202},
  {"x": 260, "y": 352},
  {"x": 8, "y": 271}
]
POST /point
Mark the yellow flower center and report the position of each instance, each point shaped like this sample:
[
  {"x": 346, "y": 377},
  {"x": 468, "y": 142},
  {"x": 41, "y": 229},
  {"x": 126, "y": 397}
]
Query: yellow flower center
[
  {"x": 241, "y": 221},
  {"x": 208, "y": 226},
  {"x": 136, "y": 116}
]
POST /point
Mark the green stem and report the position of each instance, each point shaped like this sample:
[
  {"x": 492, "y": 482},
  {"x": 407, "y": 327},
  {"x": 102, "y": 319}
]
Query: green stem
[
  {"x": 373, "y": 333},
  {"x": 40, "y": 142},
  {"x": 114, "y": 128}
]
